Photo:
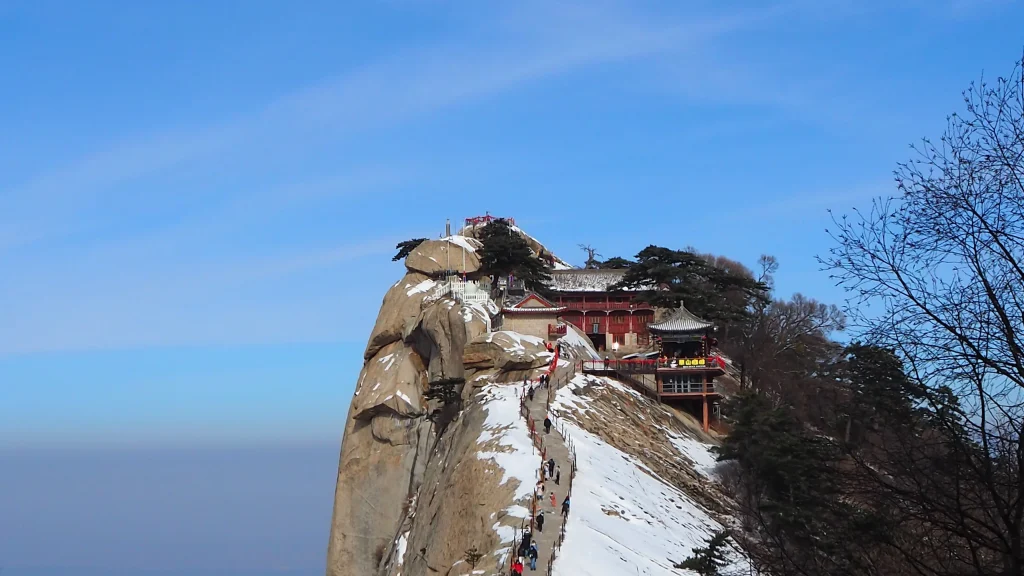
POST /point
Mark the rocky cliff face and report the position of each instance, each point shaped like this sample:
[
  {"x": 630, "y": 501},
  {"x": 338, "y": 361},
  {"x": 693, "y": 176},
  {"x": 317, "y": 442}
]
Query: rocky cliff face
[
  {"x": 421, "y": 482},
  {"x": 413, "y": 493}
]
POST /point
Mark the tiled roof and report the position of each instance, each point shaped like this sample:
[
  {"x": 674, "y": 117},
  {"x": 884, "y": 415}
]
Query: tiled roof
[
  {"x": 507, "y": 310},
  {"x": 682, "y": 320},
  {"x": 583, "y": 280},
  {"x": 517, "y": 306}
]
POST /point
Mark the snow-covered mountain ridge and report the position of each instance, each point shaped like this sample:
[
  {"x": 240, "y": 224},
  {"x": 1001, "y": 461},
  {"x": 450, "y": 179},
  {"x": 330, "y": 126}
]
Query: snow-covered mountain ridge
[{"x": 432, "y": 469}]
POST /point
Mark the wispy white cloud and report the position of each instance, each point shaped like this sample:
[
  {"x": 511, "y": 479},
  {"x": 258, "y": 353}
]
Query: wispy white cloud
[
  {"x": 165, "y": 283},
  {"x": 537, "y": 40}
]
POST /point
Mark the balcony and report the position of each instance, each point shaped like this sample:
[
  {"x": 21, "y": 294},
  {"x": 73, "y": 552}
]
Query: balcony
[
  {"x": 688, "y": 388},
  {"x": 651, "y": 366},
  {"x": 689, "y": 364},
  {"x": 606, "y": 305}
]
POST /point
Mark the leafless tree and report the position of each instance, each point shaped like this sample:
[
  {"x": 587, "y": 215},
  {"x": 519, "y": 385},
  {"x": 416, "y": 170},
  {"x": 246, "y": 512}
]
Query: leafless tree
[
  {"x": 592, "y": 256},
  {"x": 785, "y": 340},
  {"x": 938, "y": 274}
]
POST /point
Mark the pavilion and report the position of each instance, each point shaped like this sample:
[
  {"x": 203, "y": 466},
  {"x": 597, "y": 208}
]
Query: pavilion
[{"x": 686, "y": 370}]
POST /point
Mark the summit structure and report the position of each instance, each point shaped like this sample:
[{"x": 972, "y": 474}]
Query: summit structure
[
  {"x": 479, "y": 414},
  {"x": 611, "y": 320}
]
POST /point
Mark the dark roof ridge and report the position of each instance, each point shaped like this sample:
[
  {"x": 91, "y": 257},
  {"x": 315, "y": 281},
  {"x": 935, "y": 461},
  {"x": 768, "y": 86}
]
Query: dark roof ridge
[{"x": 681, "y": 320}]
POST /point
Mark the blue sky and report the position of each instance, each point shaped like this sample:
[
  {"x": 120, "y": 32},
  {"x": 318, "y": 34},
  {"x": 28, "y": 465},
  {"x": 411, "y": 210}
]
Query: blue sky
[{"x": 199, "y": 200}]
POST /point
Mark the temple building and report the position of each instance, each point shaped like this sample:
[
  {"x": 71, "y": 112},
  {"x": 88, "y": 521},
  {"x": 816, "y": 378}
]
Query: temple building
[
  {"x": 534, "y": 315},
  {"x": 612, "y": 320},
  {"x": 684, "y": 371}
]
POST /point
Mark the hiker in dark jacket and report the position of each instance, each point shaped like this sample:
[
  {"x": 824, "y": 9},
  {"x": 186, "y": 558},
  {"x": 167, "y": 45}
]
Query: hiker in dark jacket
[
  {"x": 551, "y": 467},
  {"x": 530, "y": 394},
  {"x": 540, "y": 521},
  {"x": 524, "y": 545},
  {"x": 533, "y": 556},
  {"x": 547, "y": 426},
  {"x": 565, "y": 507},
  {"x": 558, "y": 474}
]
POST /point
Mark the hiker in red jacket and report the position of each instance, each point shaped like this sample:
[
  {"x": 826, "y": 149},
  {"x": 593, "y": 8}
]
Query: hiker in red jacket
[{"x": 517, "y": 568}]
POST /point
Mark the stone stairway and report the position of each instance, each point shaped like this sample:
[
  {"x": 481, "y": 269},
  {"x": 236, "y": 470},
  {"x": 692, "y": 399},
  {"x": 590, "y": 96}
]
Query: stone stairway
[
  {"x": 549, "y": 445},
  {"x": 554, "y": 447}
]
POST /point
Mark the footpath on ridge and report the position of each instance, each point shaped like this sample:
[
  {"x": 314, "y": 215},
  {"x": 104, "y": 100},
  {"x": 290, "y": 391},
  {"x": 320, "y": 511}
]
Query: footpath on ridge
[{"x": 555, "y": 446}]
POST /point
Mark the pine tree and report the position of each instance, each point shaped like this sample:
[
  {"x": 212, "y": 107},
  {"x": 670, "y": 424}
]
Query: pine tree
[
  {"x": 506, "y": 253},
  {"x": 665, "y": 278},
  {"x": 792, "y": 487},
  {"x": 472, "y": 557},
  {"x": 405, "y": 248},
  {"x": 615, "y": 263},
  {"x": 710, "y": 560},
  {"x": 445, "y": 391},
  {"x": 880, "y": 391},
  {"x": 448, "y": 394}
]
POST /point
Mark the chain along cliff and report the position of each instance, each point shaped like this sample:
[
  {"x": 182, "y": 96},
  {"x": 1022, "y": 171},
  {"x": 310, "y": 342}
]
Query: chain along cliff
[{"x": 439, "y": 465}]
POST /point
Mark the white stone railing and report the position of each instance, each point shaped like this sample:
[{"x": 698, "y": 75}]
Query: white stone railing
[
  {"x": 440, "y": 290},
  {"x": 465, "y": 291},
  {"x": 469, "y": 292}
]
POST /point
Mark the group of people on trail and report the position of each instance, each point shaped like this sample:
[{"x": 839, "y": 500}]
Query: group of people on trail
[
  {"x": 549, "y": 470},
  {"x": 542, "y": 382},
  {"x": 539, "y": 493},
  {"x": 527, "y": 550},
  {"x": 553, "y": 471}
]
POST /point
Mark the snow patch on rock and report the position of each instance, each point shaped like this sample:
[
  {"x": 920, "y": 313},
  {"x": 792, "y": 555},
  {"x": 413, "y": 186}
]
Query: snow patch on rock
[
  {"x": 516, "y": 340},
  {"x": 478, "y": 311},
  {"x": 421, "y": 287},
  {"x": 580, "y": 344},
  {"x": 506, "y": 439},
  {"x": 469, "y": 244}
]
